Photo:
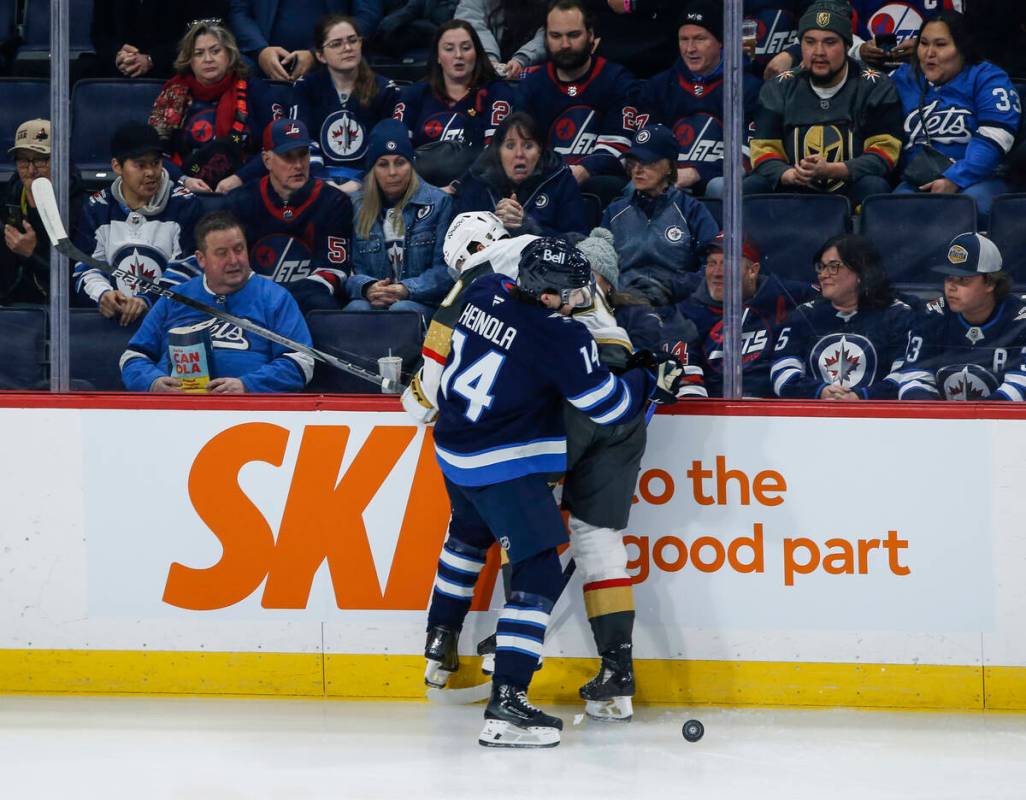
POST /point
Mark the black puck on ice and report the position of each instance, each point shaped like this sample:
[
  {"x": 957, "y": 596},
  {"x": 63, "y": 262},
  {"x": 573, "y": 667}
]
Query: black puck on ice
[{"x": 693, "y": 730}]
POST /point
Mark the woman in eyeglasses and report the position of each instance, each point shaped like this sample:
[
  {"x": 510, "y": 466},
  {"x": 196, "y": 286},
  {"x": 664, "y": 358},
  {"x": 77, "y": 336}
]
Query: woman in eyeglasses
[
  {"x": 211, "y": 114},
  {"x": 341, "y": 103},
  {"x": 844, "y": 345}
]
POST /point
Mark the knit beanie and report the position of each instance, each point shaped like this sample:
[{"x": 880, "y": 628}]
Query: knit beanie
[
  {"x": 706, "y": 14},
  {"x": 388, "y": 138},
  {"x": 598, "y": 249},
  {"x": 827, "y": 16}
]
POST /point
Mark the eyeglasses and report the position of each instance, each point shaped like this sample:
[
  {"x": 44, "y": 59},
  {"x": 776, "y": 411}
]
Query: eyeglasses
[
  {"x": 830, "y": 267},
  {"x": 38, "y": 163},
  {"x": 337, "y": 44}
]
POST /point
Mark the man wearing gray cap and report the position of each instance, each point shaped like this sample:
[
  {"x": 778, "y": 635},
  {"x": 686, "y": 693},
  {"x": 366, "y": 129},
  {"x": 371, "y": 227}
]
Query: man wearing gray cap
[{"x": 971, "y": 342}]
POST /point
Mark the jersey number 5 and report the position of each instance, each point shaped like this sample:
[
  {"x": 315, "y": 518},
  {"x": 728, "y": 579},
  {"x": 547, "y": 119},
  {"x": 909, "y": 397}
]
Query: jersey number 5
[{"x": 475, "y": 382}]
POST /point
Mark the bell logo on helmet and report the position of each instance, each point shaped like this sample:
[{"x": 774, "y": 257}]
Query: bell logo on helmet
[
  {"x": 555, "y": 258},
  {"x": 958, "y": 254}
]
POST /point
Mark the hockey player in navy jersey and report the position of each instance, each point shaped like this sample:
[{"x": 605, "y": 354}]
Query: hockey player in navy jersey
[
  {"x": 766, "y": 302},
  {"x": 141, "y": 223},
  {"x": 238, "y": 361},
  {"x": 297, "y": 226},
  {"x": 966, "y": 109},
  {"x": 516, "y": 354},
  {"x": 688, "y": 99},
  {"x": 844, "y": 346},
  {"x": 970, "y": 344},
  {"x": 588, "y": 105}
]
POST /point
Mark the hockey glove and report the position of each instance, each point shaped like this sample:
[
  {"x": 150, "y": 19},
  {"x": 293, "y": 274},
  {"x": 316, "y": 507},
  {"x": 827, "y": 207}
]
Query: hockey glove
[
  {"x": 416, "y": 404},
  {"x": 667, "y": 371}
]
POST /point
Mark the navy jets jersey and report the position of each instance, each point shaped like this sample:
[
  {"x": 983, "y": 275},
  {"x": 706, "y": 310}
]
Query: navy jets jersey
[
  {"x": 820, "y": 346},
  {"x": 290, "y": 241},
  {"x": 777, "y": 22},
  {"x": 762, "y": 316},
  {"x": 338, "y": 125},
  {"x": 154, "y": 245},
  {"x": 973, "y": 118},
  {"x": 590, "y": 121},
  {"x": 952, "y": 359},
  {"x": 501, "y": 393},
  {"x": 903, "y": 18},
  {"x": 691, "y": 106},
  {"x": 472, "y": 120}
]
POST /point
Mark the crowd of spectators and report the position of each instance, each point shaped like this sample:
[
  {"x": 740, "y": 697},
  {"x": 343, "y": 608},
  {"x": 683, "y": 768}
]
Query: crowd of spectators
[{"x": 553, "y": 116}]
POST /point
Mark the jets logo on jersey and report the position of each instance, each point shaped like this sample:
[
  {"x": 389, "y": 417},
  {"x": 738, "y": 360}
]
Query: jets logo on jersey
[
  {"x": 673, "y": 234},
  {"x": 574, "y": 132},
  {"x": 901, "y": 19},
  {"x": 966, "y": 382},
  {"x": 753, "y": 344},
  {"x": 223, "y": 334},
  {"x": 701, "y": 139},
  {"x": 847, "y": 360},
  {"x": 777, "y": 30},
  {"x": 424, "y": 211},
  {"x": 947, "y": 126},
  {"x": 444, "y": 126},
  {"x": 541, "y": 201},
  {"x": 342, "y": 135},
  {"x": 281, "y": 258},
  {"x": 139, "y": 260},
  {"x": 201, "y": 130}
]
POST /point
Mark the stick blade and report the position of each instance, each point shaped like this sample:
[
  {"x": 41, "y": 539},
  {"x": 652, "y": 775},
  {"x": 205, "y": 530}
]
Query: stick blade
[
  {"x": 46, "y": 204},
  {"x": 460, "y": 697}
]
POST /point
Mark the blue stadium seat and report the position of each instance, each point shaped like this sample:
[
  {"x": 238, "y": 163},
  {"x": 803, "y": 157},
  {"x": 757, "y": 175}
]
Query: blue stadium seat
[
  {"x": 1008, "y": 231},
  {"x": 23, "y": 340},
  {"x": 714, "y": 205},
  {"x": 23, "y": 99},
  {"x": 362, "y": 337},
  {"x": 790, "y": 228},
  {"x": 912, "y": 230},
  {"x": 121, "y": 101},
  {"x": 592, "y": 209},
  {"x": 96, "y": 345},
  {"x": 36, "y": 30}
]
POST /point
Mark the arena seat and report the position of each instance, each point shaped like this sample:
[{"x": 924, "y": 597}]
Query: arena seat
[
  {"x": 96, "y": 344},
  {"x": 592, "y": 209},
  {"x": 23, "y": 99},
  {"x": 36, "y": 30},
  {"x": 122, "y": 101},
  {"x": 23, "y": 358},
  {"x": 911, "y": 231},
  {"x": 790, "y": 228},
  {"x": 1008, "y": 232},
  {"x": 714, "y": 205},
  {"x": 362, "y": 337}
]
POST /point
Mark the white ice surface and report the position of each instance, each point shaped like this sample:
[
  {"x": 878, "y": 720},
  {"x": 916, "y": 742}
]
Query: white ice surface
[{"x": 242, "y": 749}]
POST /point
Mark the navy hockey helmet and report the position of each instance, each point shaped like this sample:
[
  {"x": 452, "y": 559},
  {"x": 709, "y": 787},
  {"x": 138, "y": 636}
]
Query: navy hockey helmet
[{"x": 553, "y": 265}]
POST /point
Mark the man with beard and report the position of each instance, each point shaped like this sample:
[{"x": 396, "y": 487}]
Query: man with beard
[
  {"x": 833, "y": 126},
  {"x": 586, "y": 104}
]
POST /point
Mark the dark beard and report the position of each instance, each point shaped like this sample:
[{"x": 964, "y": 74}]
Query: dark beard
[
  {"x": 829, "y": 78},
  {"x": 570, "y": 61}
]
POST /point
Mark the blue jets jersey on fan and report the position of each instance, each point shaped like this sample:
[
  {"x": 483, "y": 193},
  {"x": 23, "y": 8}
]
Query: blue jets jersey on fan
[
  {"x": 290, "y": 241},
  {"x": 821, "y": 346},
  {"x": 692, "y": 107},
  {"x": 903, "y": 19},
  {"x": 472, "y": 120},
  {"x": 154, "y": 245},
  {"x": 263, "y": 366},
  {"x": 973, "y": 118},
  {"x": 501, "y": 393},
  {"x": 952, "y": 359},
  {"x": 590, "y": 121},
  {"x": 777, "y": 22},
  {"x": 339, "y": 125}
]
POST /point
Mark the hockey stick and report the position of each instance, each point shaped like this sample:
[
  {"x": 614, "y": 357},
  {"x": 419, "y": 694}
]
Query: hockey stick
[
  {"x": 46, "y": 204},
  {"x": 481, "y": 691}
]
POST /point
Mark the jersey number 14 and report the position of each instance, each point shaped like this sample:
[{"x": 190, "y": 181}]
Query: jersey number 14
[{"x": 474, "y": 382}]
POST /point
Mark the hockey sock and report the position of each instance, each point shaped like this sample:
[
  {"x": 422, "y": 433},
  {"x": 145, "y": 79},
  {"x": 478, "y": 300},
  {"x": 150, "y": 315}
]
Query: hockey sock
[
  {"x": 610, "y": 608},
  {"x": 458, "y": 568},
  {"x": 520, "y": 632}
]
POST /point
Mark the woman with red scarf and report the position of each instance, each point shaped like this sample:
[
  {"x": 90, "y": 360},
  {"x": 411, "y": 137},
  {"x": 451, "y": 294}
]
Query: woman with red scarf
[{"x": 210, "y": 115}]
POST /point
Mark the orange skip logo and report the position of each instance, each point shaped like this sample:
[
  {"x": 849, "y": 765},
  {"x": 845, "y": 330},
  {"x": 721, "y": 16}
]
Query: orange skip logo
[{"x": 322, "y": 520}]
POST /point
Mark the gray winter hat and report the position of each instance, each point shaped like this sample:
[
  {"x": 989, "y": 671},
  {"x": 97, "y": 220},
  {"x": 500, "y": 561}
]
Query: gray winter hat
[{"x": 598, "y": 249}]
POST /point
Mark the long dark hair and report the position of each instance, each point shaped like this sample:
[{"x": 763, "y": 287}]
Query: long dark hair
[
  {"x": 961, "y": 36},
  {"x": 519, "y": 20},
  {"x": 862, "y": 258},
  {"x": 484, "y": 72},
  {"x": 366, "y": 87}
]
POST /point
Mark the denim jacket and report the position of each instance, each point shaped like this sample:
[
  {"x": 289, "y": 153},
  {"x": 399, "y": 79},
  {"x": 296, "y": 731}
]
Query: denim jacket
[{"x": 426, "y": 218}]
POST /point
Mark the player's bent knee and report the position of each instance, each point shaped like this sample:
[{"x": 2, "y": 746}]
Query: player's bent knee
[{"x": 599, "y": 552}]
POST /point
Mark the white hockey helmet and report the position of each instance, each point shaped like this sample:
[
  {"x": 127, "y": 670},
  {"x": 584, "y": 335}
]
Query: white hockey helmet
[{"x": 473, "y": 226}]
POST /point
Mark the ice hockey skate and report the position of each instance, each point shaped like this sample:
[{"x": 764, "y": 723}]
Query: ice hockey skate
[
  {"x": 511, "y": 721},
  {"x": 608, "y": 695},
  {"x": 442, "y": 658}
]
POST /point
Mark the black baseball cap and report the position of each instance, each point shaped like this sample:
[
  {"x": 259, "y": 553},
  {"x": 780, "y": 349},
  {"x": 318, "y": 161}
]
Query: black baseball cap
[{"x": 132, "y": 140}]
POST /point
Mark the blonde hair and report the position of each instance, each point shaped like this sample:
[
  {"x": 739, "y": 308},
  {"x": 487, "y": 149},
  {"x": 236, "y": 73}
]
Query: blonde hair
[
  {"x": 183, "y": 63},
  {"x": 370, "y": 204}
]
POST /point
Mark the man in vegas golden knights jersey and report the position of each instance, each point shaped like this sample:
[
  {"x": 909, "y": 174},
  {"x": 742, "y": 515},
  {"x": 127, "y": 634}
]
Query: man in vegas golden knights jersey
[{"x": 832, "y": 125}]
